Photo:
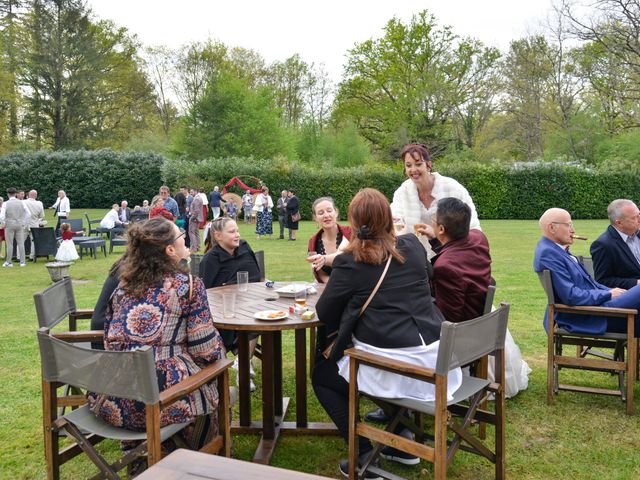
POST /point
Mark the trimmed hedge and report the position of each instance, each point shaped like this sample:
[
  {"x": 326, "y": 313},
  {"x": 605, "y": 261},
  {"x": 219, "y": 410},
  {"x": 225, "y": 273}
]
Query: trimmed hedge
[
  {"x": 498, "y": 191},
  {"x": 91, "y": 179},
  {"x": 97, "y": 179},
  {"x": 525, "y": 192}
]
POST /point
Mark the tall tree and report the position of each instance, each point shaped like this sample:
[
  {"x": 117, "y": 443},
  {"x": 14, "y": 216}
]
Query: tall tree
[
  {"x": 83, "y": 84},
  {"x": 408, "y": 84},
  {"x": 527, "y": 72},
  {"x": 9, "y": 26},
  {"x": 611, "y": 31},
  {"x": 159, "y": 66},
  {"x": 231, "y": 119},
  {"x": 196, "y": 65},
  {"x": 319, "y": 90},
  {"x": 289, "y": 80}
]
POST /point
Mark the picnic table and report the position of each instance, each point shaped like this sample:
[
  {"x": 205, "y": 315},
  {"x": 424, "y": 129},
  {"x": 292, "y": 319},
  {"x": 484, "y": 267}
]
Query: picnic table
[
  {"x": 274, "y": 405},
  {"x": 187, "y": 464}
]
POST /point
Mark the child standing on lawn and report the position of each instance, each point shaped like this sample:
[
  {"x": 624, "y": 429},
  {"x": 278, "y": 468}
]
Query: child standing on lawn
[{"x": 67, "y": 249}]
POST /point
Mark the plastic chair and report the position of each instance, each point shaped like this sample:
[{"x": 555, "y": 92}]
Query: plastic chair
[
  {"x": 558, "y": 337},
  {"x": 116, "y": 239},
  {"x": 93, "y": 226},
  {"x": 45, "y": 243},
  {"x": 122, "y": 374},
  {"x": 460, "y": 343},
  {"x": 76, "y": 225}
]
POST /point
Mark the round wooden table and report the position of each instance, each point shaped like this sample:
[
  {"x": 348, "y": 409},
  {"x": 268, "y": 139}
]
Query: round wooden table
[{"x": 274, "y": 406}]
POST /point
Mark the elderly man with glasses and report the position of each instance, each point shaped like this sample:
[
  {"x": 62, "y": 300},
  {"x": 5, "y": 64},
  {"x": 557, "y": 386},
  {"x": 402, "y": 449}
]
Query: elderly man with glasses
[{"x": 571, "y": 282}]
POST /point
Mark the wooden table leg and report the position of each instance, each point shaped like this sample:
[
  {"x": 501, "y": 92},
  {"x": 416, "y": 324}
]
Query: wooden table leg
[
  {"x": 301, "y": 378},
  {"x": 277, "y": 373},
  {"x": 268, "y": 413},
  {"x": 243, "y": 380}
]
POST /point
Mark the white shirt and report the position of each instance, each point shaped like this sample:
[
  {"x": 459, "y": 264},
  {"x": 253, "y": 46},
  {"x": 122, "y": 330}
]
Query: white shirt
[
  {"x": 64, "y": 206},
  {"x": 110, "y": 220},
  {"x": 203, "y": 196},
  {"x": 633, "y": 242}
]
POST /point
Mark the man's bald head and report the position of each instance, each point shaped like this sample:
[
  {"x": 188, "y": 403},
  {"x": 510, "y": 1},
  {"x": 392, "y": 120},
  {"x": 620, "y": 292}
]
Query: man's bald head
[{"x": 556, "y": 225}]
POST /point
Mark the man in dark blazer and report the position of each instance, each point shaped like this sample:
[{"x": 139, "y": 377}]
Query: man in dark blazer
[
  {"x": 616, "y": 253},
  {"x": 462, "y": 265},
  {"x": 572, "y": 284}
]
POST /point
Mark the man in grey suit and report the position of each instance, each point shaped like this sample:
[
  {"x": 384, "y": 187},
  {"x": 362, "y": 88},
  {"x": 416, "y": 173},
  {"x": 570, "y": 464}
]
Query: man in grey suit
[
  {"x": 14, "y": 215},
  {"x": 35, "y": 218}
]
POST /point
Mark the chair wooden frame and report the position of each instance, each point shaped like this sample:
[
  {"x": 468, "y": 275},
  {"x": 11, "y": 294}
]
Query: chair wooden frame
[
  {"x": 558, "y": 337},
  {"x": 151, "y": 446},
  {"x": 474, "y": 390}
]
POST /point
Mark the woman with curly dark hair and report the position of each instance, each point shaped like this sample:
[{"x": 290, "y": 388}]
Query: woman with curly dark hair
[{"x": 158, "y": 303}]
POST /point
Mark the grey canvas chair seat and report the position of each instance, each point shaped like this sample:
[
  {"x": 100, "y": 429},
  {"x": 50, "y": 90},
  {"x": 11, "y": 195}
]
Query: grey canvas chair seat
[
  {"x": 87, "y": 422},
  {"x": 470, "y": 386},
  {"x": 460, "y": 344}
]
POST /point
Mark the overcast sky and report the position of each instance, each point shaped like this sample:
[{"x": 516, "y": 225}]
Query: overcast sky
[{"x": 320, "y": 31}]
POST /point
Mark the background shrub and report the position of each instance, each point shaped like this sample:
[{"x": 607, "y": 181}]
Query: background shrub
[
  {"x": 97, "y": 179},
  {"x": 91, "y": 179}
]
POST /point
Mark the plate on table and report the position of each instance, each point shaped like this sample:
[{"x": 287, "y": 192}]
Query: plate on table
[
  {"x": 290, "y": 290},
  {"x": 271, "y": 315}
]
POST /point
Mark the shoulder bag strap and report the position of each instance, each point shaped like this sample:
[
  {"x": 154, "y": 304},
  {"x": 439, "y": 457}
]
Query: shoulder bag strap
[
  {"x": 375, "y": 289},
  {"x": 190, "y": 287},
  {"x": 327, "y": 351}
]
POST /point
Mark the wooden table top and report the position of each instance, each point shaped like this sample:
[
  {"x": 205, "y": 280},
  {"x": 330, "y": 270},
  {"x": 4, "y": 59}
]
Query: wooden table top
[
  {"x": 258, "y": 297},
  {"x": 187, "y": 464}
]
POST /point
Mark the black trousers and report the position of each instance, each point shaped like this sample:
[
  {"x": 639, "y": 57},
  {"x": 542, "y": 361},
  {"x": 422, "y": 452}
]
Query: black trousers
[
  {"x": 333, "y": 393},
  {"x": 61, "y": 219}
]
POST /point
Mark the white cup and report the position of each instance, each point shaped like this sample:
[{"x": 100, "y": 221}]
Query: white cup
[
  {"x": 243, "y": 281},
  {"x": 228, "y": 305}
]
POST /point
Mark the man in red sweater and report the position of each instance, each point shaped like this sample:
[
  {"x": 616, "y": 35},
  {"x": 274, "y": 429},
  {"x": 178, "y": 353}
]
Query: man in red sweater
[{"x": 462, "y": 265}]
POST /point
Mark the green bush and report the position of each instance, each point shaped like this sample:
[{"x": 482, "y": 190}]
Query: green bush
[
  {"x": 519, "y": 191},
  {"x": 91, "y": 179}
]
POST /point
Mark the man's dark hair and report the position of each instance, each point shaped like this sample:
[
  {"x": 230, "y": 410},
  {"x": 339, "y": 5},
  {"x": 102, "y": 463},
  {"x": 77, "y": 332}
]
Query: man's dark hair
[
  {"x": 11, "y": 191},
  {"x": 455, "y": 216}
]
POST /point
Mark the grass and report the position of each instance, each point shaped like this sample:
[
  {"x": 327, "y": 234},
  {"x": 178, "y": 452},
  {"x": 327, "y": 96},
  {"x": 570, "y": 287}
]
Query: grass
[{"x": 581, "y": 436}]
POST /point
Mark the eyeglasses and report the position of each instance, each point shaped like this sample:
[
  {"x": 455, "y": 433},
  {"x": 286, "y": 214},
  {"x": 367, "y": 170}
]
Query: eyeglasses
[
  {"x": 182, "y": 233},
  {"x": 568, "y": 224}
]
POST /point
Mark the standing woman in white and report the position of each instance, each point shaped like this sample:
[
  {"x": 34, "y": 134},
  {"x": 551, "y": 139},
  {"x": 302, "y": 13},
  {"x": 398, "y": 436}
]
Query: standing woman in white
[
  {"x": 63, "y": 209},
  {"x": 416, "y": 200}
]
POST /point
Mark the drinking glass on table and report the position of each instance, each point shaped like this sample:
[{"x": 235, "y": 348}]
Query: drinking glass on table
[
  {"x": 228, "y": 305},
  {"x": 243, "y": 281},
  {"x": 301, "y": 294}
]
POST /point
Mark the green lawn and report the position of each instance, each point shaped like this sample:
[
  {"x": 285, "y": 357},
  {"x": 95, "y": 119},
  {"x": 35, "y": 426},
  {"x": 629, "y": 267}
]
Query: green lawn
[{"x": 581, "y": 437}]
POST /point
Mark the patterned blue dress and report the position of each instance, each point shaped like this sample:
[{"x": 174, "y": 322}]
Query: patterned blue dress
[{"x": 183, "y": 338}]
